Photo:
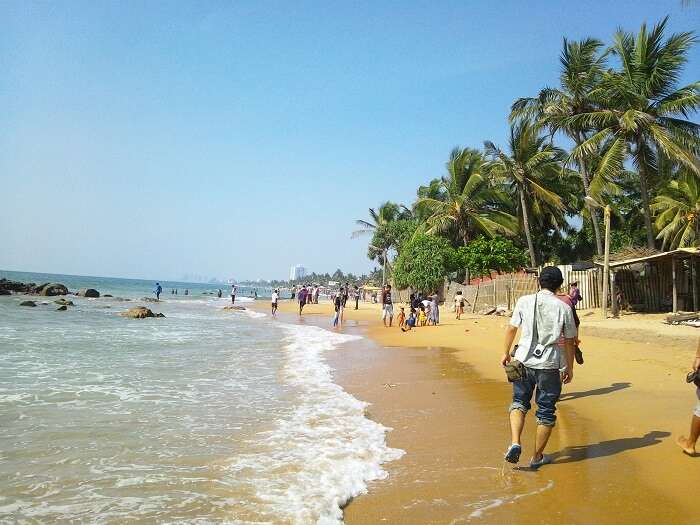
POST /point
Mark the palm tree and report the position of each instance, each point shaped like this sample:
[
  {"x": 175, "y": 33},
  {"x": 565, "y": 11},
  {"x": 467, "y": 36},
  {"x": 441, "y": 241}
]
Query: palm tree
[
  {"x": 463, "y": 204},
  {"x": 642, "y": 113},
  {"x": 528, "y": 170},
  {"x": 387, "y": 212},
  {"x": 582, "y": 66},
  {"x": 678, "y": 212}
]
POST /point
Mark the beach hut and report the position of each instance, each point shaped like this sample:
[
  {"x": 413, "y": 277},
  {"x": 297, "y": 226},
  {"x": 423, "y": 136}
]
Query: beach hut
[{"x": 652, "y": 281}]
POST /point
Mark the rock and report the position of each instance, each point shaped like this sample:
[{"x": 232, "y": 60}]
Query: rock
[
  {"x": 62, "y": 308},
  {"x": 119, "y": 299},
  {"x": 64, "y": 302},
  {"x": 233, "y": 307},
  {"x": 15, "y": 286},
  {"x": 150, "y": 299},
  {"x": 27, "y": 303},
  {"x": 5, "y": 292},
  {"x": 106, "y": 295},
  {"x": 88, "y": 292},
  {"x": 140, "y": 312},
  {"x": 51, "y": 289},
  {"x": 487, "y": 311}
]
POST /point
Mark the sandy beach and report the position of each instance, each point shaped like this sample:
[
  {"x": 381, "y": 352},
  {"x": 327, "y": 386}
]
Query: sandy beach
[{"x": 442, "y": 391}]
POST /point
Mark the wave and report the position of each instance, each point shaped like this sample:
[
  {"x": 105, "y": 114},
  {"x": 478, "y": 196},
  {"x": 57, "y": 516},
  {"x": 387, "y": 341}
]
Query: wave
[{"x": 326, "y": 451}]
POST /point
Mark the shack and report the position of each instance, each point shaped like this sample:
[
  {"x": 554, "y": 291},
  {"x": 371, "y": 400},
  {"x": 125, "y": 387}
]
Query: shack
[{"x": 656, "y": 282}]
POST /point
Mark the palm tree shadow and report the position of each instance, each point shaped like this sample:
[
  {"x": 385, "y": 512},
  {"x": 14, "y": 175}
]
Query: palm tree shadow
[
  {"x": 596, "y": 392},
  {"x": 608, "y": 448}
]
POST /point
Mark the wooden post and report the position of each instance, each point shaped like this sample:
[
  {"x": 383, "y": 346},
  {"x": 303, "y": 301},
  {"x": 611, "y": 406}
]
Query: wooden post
[
  {"x": 675, "y": 287},
  {"x": 613, "y": 294},
  {"x": 694, "y": 279},
  {"x": 476, "y": 297},
  {"x": 495, "y": 292},
  {"x": 606, "y": 262}
]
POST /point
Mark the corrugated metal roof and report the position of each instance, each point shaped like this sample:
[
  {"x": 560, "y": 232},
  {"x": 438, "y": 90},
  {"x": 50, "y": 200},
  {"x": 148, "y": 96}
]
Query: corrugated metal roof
[{"x": 684, "y": 252}]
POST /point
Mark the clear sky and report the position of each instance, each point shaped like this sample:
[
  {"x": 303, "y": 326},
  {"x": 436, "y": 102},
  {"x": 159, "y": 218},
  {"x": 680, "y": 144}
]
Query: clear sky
[{"x": 234, "y": 139}]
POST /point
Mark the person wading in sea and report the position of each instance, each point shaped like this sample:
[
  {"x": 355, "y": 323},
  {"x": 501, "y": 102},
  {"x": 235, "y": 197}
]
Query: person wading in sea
[{"x": 543, "y": 319}]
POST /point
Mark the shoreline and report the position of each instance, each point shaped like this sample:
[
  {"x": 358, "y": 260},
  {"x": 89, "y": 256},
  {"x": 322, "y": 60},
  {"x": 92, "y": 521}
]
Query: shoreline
[{"x": 441, "y": 391}]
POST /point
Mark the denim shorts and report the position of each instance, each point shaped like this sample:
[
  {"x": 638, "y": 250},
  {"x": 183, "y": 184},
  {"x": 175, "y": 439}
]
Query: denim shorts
[
  {"x": 697, "y": 407},
  {"x": 546, "y": 384}
]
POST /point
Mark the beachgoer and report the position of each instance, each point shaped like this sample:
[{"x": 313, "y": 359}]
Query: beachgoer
[
  {"x": 158, "y": 291},
  {"x": 459, "y": 304},
  {"x": 410, "y": 322},
  {"x": 401, "y": 319},
  {"x": 387, "y": 305},
  {"x": 233, "y": 294},
  {"x": 357, "y": 297},
  {"x": 301, "y": 297},
  {"x": 175, "y": 291},
  {"x": 435, "y": 310},
  {"x": 219, "y": 294},
  {"x": 566, "y": 299},
  {"x": 422, "y": 318},
  {"x": 294, "y": 292},
  {"x": 543, "y": 319},
  {"x": 187, "y": 292},
  {"x": 275, "y": 298},
  {"x": 338, "y": 305},
  {"x": 574, "y": 293},
  {"x": 688, "y": 443}
]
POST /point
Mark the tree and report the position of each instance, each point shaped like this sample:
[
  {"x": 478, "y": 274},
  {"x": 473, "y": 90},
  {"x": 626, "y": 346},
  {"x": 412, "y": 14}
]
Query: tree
[
  {"x": 423, "y": 263},
  {"x": 528, "y": 169},
  {"x": 482, "y": 256},
  {"x": 678, "y": 212},
  {"x": 642, "y": 112},
  {"x": 463, "y": 204},
  {"x": 582, "y": 66}
]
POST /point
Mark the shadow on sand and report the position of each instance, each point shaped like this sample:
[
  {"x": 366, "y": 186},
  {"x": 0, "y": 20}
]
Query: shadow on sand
[
  {"x": 608, "y": 448},
  {"x": 596, "y": 392}
]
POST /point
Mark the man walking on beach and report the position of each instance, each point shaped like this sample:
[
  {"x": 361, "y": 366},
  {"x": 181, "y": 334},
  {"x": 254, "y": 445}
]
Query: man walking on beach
[
  {"x": 301, "y": 297},
  {"x": 158, "y": 291},
  {"x": 543, "y": 320},
  {"x": 688, "y": 444},
  {"x": 387, "y": 305},
  {"x": 233, "y": 294}
]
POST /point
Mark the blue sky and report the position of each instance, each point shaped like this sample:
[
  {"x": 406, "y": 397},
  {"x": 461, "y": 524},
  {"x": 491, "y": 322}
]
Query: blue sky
[{"x": 234, "y": 139}]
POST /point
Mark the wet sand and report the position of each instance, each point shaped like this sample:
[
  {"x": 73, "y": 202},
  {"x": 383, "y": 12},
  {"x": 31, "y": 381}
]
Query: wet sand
[{"x": 441, "y": 389}]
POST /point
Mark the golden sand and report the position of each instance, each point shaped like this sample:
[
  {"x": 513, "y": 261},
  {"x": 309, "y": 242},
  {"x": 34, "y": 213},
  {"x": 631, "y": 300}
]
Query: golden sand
[{"x": 443, "y": 392}]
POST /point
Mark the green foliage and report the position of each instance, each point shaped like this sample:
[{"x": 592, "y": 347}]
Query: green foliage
[
  {"x": 391, "y": 236},
  {"x": 483, "y": 256},
  {"x": 423, "y": 263}
]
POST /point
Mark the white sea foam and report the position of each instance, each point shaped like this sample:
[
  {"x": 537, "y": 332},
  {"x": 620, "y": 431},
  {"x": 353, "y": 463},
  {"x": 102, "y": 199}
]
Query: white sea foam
[{"x": 324, "y": 453}]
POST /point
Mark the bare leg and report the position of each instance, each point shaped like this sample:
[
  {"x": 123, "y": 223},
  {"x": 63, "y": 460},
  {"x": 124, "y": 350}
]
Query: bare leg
[
  {"x": 543, "y": 433},
  {"x": 517, "y": 422},
  {"x": 391, "y": 318},
  {"x": 688, "y": 444}
]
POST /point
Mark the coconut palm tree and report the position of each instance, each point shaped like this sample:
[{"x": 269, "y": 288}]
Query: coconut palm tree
[
  {"x": 582, "y": 65},
  {"x": 463, "y": 204},
  {"x": 678, "y": 211},
  {"x": 642, "y": 113},
  {"x": 528, "y": 170}
]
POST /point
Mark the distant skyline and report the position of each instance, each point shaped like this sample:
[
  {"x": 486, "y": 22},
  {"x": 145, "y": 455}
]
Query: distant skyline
[{"x": 152, "y": 140}]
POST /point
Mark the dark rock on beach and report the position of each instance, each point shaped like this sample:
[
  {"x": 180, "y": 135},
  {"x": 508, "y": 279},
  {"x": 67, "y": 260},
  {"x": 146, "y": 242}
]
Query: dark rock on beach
[
  {"x": 5, "y": 292},
  {"x": 150, "y": 299},
  {"x": 233, "y": 308},
  {"x": 14, "y": 286},
  {"x": 140, "y": 312},
  {"x": 64, "y": 302},
  {"x": 62, "y": 308},
  {"x": 27, "y": 303},
  {"x": 88, "y": 292},
  {"x": 51, "y": 289},
  {"x": 106, "y": 295}
]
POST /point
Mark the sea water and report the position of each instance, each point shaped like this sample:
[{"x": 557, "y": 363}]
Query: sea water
[{"x": 204, "y": 416}]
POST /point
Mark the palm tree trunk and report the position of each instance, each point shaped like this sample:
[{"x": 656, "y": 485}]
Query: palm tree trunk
[
  {"x": 526, "y": 227},
  {"x": 585, "y": 178},
  {"x": 644, "y": 190}
]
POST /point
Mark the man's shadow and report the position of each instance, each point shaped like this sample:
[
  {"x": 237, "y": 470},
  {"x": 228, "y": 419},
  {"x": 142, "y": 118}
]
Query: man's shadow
[
  {"x": 596, "y": 392},
  {"x": 608, "y": 448}
]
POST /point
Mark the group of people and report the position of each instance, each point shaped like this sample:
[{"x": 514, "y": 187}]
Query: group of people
[{"x": 424, "y": 311}]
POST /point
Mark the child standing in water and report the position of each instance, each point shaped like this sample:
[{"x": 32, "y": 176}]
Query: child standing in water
[{"x": 401, "y": 318}]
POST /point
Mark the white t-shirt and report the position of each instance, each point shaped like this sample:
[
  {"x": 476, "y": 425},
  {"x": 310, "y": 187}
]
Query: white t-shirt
[
  {"x": 233, "y": 290},
  {"x": 425, "y": 303},
  {"x": 275, "y": 296},
  {"x": 554, "y": 319}
]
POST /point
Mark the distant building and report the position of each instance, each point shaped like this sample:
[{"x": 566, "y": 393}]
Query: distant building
[{"x": 297, "y": 272}]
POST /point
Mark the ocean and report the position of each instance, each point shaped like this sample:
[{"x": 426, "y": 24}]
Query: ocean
[{"x": 204, "y": 416}]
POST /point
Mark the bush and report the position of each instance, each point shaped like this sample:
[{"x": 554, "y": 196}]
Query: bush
[{"x": 423, "y": 263}]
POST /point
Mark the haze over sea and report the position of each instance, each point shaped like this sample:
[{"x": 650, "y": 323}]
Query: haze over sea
[{"x": 204, "y": 416}]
